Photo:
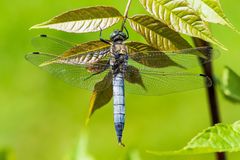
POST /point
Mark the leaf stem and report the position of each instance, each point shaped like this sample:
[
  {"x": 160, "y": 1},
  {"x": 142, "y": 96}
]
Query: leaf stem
[
  {"x": 212, "y": 96},
  {"x": 126, "y": 14}
]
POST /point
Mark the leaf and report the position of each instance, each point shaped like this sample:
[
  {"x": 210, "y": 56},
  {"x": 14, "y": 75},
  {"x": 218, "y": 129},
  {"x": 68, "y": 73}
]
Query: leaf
[
  {"x": 219, "y": 138},
  {"x": 101, "y": 97},
  {"x": 90, "y": 49},
  {"x": 137, "y": 52},
  {"x": 180, "y": 17},
  {"x": 83, "y": 20},
  {"x": 97, "y": 66},
  {"x": 211, "y": 11},
  {"x": 230, "y": 85},
  {"x": 92, "y": 46},
  {"x": 133, "y": 76},
  {"x": 157, "y": 34}
]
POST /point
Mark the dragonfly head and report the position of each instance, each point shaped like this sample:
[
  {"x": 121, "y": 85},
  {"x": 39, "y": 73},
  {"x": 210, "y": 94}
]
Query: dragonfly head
[{"x": 118, "y": 35}]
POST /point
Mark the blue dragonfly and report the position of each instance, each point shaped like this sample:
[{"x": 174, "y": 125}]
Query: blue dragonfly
[{"x": 122, "y": 66}]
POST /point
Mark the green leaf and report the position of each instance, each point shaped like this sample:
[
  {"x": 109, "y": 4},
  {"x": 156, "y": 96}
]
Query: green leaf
[
  {"x": 101, "y": 97},
  {"x": 230, "y": 85},
  {"x": 157, "y": 33},
  {"x": 180, "y": 17},
  {"x": 83, "y": 20},
  {"x": 211, "y": 11},
  {"x": 219, "y": 138}
]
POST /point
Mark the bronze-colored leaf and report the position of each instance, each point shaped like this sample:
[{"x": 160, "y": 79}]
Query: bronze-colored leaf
[
  {"x": 102, "y": 94},
  {"x": 97, "y": 67},
  {"x": 149, "y": 56},
  {"x": 86, "y": 53},
  {"x": 133, "y": 76},
  {"x": 92, "y": 46},
  {"x": 83, "y": 20}
]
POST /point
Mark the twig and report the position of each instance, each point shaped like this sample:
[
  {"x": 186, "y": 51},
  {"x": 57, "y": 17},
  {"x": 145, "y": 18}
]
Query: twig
[
  {"x": 126, "y": 14},
  {"x": 212, "y": 97}
]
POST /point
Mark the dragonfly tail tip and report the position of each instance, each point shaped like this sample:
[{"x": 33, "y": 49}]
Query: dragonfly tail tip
[{"x": 120, "y": 142}]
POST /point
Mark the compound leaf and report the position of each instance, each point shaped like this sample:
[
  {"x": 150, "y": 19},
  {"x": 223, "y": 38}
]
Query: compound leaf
[{"x": 179, "y": 16}]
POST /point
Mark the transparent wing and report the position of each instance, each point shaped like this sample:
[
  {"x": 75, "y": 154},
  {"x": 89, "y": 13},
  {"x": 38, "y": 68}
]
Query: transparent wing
[
  {"x": 79, "y": 75},
  {"x": 172, "y": 61},
  {"x": 48, "y": 44},
  {"x": 161, "y": 83}
]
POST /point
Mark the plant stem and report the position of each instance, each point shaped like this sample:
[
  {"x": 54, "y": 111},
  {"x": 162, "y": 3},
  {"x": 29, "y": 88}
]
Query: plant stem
[
  {"x": 212, "y": 97},
  {"x": 126, "y": 14}
]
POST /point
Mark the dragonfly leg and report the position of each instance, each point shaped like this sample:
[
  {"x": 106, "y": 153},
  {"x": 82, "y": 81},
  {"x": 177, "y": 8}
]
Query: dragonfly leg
[
  {"x": 126, "y": 32},
  {"x": 103, "y": 40}
]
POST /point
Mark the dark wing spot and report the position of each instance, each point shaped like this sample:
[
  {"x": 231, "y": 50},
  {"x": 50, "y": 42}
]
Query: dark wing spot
[
  {"x": 35, "y": 53},
  {"x": 43, "y": 35},
  {"x": 203, "y": 75}
]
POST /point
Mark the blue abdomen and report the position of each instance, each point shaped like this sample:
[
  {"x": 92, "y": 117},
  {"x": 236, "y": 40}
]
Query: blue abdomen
[{"x": 119, "y": 105}]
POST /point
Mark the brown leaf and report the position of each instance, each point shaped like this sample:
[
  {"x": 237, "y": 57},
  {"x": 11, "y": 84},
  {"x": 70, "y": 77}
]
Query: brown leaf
[
  {"x": 132, "y": 75},
  {"x": 97, "y": 67},
  {"x": 92, "y": 46},
  {"x": 102, "y": 94},
  {"x": 149, "y": 56},
  {"x": 82, "y": 54}
]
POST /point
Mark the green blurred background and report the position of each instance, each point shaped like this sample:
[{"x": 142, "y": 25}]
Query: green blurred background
[{"x": 41, "y": 118}]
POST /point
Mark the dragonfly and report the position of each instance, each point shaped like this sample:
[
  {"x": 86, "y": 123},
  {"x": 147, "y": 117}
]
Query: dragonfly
[{"x": 121, "y": 66}]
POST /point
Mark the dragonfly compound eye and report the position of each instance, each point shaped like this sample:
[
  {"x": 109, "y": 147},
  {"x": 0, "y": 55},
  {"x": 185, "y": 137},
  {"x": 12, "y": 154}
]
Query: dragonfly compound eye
[
  {"x": 118, "y": 35},
  {"x": 114, "y": 34},
  {"x": 123, "y": 35}
]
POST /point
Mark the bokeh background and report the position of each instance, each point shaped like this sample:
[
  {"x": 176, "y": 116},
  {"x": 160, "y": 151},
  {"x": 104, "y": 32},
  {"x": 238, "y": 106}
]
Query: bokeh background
[{"x": 41, "y": 118}]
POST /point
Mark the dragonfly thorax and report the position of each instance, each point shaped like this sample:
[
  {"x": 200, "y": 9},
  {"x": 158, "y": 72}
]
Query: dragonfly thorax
[
  {"x": 119, "y": 58},
  {"x": 118, "y": 48}
]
